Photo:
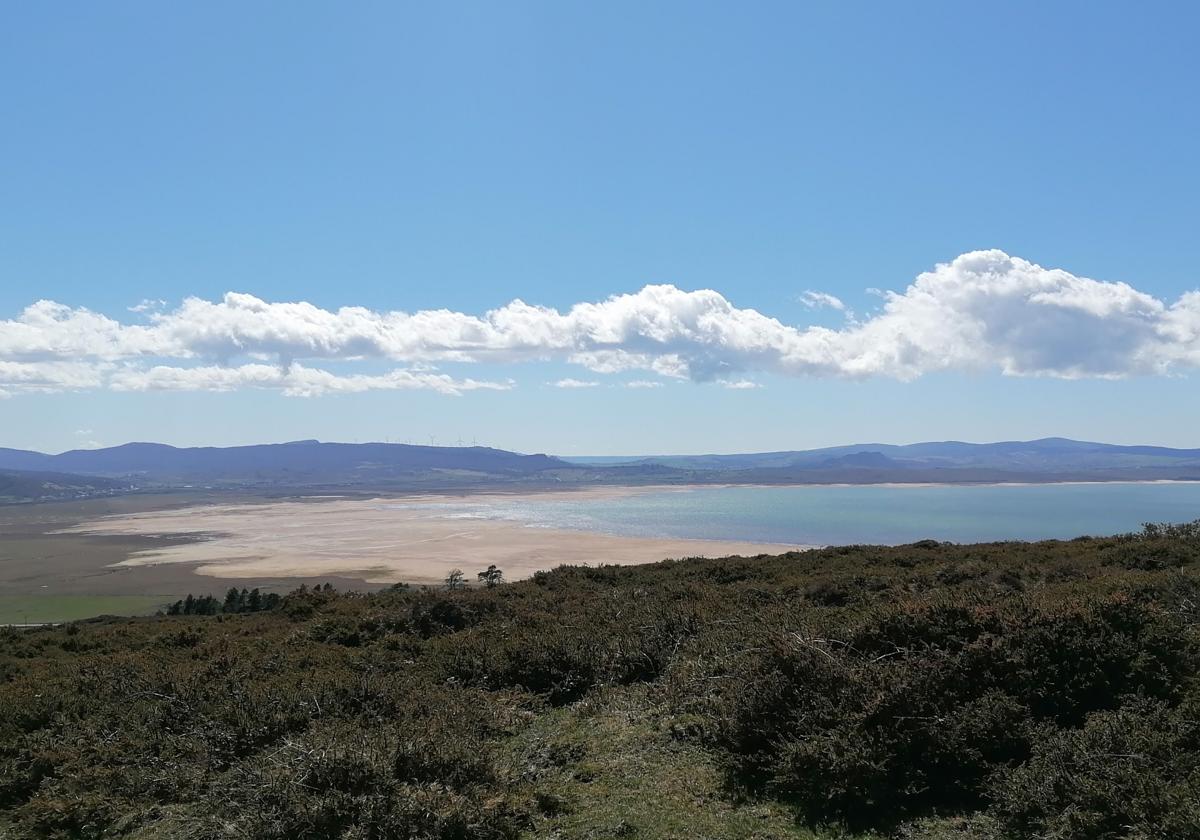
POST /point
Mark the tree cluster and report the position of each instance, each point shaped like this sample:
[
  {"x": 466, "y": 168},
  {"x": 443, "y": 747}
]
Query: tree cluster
[{"x": 235, "y": 601}]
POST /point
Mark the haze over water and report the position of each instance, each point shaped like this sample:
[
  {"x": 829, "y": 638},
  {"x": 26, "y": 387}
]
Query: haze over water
[{"x": 832, "y": 515}]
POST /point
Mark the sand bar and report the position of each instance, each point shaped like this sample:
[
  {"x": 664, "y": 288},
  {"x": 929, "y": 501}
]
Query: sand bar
[{"x": 416, "y": 539}]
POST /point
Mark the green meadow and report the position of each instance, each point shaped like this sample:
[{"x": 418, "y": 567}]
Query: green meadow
[{"x": 47, "y": 609}]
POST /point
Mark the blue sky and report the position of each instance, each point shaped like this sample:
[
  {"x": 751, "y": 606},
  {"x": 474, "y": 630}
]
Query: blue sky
[{"x": 405, "y": 157}]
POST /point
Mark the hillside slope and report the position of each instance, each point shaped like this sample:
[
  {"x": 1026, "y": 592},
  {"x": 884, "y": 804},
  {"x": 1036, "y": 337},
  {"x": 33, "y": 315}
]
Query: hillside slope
[
  {"x": 989, "y": 692},
  {"x": 51, "y": 486}
]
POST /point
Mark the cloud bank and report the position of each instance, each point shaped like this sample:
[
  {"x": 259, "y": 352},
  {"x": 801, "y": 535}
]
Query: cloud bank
[{"x": 983, "y": 311}]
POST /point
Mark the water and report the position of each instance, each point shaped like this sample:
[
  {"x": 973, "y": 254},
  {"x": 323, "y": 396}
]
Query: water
[{"x": 874, "y": 514}]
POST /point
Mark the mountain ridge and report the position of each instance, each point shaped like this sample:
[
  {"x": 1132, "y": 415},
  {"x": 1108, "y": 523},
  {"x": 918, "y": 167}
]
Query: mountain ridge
[
  {"x": 295, "y": 459},
  {"x": 384, "y": 466},
  {"x": 1041, "y": 453}
]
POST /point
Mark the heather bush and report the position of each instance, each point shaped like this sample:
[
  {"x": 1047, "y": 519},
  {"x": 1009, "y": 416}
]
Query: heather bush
[{"x": 993, "y": 690}]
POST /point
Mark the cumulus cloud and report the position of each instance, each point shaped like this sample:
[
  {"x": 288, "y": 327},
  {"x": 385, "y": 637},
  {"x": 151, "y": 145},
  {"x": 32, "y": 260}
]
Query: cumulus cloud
[
  {"x": 644, "y": 383},
  {"x": 739, "y": 384},
  {"x": 47, "y": 331},
  {"x": 982, "y": 311},
  {"x": 575, "y": 383}
]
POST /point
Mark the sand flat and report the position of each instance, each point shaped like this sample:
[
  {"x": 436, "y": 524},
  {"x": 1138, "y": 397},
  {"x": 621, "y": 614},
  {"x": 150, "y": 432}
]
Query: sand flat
[{"x": 417, "y": 539}]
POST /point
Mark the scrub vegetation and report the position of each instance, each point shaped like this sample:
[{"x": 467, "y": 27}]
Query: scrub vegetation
[{"x": 1005, "y": 690}]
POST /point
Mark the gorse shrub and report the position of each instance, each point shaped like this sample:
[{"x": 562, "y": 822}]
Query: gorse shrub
[
  {"x": 1020, "y": 689},
  {"x": 1136, "y": 767},
  {"x": 910, "y": 708}
]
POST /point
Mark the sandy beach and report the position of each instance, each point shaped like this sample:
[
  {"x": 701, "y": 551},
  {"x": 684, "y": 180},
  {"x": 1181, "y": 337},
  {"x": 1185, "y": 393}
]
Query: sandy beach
[{"x": 417, "y": 539}]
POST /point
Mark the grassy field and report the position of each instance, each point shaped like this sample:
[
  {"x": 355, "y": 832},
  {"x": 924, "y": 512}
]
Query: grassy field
[{"x": 45, "y": 609}]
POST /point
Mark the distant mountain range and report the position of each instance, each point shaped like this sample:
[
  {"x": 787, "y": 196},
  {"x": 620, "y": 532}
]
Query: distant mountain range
[
  {"x": 1043, "y": 456},
  {"x": 299, "y": 462},
  {"x": 381, "y": 466}
]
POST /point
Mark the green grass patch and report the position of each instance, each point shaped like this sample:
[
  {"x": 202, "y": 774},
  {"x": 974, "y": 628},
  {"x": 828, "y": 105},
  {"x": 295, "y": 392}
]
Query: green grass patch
[
  {"x": 43, "y": 609},
  {"x": 609, "y": 767}
]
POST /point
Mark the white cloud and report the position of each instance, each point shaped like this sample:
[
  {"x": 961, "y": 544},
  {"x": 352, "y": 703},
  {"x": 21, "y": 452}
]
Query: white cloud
[
  {"x": 574, "y": 383},
  {"x": 982, "y": 311},
  {"x": 987, "y": 310},
  {"x": 47, "y": 331},
  {"x": 51, "y": 376},
  {"x": 739, "y": 384},
  {"x": 644, "y": 383},
  {"x": 817, "y": 300},
  {"x": 295, "y": 381}
]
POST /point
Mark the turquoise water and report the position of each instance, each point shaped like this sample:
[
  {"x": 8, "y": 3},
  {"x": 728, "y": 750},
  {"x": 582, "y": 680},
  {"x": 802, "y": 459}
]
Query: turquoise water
[{"x": 877, "y": 514}]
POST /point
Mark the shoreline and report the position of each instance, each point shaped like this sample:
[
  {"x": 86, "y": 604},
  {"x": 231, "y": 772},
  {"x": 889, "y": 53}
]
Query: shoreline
[
  {"x": 177, "y": 543},
  {"x": 896, "y": 484},
  {"x": 383, "y": 540},
  {"x": 622, "y": 490}
]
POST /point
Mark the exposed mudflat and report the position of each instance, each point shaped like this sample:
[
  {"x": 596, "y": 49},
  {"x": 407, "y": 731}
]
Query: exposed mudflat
[{"x": 375, "y": 541}]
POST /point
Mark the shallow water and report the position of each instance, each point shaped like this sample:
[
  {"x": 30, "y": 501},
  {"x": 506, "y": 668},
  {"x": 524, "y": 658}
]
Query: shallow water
[{"x": 831, "y": 515}]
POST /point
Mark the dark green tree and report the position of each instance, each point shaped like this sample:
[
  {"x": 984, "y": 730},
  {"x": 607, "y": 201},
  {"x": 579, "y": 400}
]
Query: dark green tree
[{"x": 491, "y": 576}]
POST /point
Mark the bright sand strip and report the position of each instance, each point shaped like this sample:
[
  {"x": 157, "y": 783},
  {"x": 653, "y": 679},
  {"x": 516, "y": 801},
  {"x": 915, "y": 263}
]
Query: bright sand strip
[{"x": 417, "y": 539}]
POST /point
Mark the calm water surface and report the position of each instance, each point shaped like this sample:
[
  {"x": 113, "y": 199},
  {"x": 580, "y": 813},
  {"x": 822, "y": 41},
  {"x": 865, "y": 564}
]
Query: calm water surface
[{"x": 877, "y": 514}]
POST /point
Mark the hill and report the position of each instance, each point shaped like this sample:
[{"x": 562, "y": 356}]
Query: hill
[
  {"x": 297, "y": 463},
  {"x": 973, "y": 692}
]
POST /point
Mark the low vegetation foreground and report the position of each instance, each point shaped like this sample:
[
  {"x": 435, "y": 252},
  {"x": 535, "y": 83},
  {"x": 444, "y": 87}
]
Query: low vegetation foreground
[{"x": 1006, "y": 690}]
